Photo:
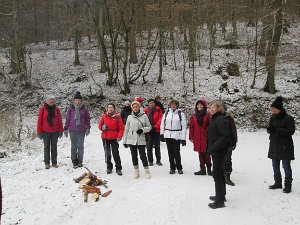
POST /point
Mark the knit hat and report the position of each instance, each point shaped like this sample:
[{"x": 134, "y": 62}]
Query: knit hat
[
  {"x": 151, "y": 100},
  {"x": 203, "y": 102},
  {"x": 138, "y": 99},
  {"x": 278, "y": 103},
  {"x": 50, "y": 97},
  {"x": 112, "y": 104},
  {"x": 77, "y": 95},
  {"x": 127, "y": 103},
  {"x": 175, "y": 100},
  {"x": 135, "y": 102}
]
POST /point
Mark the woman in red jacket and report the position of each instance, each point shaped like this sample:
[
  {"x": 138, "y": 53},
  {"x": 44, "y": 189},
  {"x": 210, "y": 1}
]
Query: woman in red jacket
[
  {"x": 49, "y": 129},
  {"x": 198, "y": 125},
  {"x": 112, "y": 129}
]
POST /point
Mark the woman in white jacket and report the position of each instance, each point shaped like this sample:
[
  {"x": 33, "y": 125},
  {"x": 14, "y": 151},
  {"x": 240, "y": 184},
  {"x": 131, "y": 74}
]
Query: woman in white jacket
[
  {"x": 137, "y": 125},
  {"x": 173, "y": 130}
]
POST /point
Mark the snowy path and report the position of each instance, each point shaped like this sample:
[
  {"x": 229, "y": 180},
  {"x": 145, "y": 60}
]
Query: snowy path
[{"x": 34, "y": 196}]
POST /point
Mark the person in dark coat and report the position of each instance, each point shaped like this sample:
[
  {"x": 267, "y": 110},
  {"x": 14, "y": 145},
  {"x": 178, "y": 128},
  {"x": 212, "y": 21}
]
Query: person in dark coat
[
  {"x": 78, "y": 126},
  {"x": 126, "y": 111},
  {"x": 281, "y": 128},
  {"x": 217, "y": 145},
  {"x": 159, "y": 103}
]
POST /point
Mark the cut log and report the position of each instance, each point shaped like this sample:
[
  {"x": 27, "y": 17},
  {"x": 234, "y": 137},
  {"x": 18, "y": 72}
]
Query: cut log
[
  {"x": 85, "y": 196},
  {"x": 91, "y": 189},
  {"x": 77, "y": 180},
  {"x": 106, "y": 193},
  {"x": 84, "y": 181},
  {"x": 95, "y": 197}
]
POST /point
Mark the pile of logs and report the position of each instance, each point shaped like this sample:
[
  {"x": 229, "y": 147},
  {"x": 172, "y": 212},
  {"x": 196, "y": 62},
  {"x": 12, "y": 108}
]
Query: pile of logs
[{"x": 88, "y": 182}]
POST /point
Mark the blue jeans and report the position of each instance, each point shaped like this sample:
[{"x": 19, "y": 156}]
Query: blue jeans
[
  {"x": 77, "y": 146},
  {"x": 286, "y": 164}
]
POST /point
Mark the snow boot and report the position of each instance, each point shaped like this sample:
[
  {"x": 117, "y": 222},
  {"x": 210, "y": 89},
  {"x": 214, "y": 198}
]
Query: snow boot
[
  {"x": 227, "y": 180},
  {"x": 180, "y": 172},
  {"x": 47, "y": 166},
  {"x": 119, "y": 172},
  {"x": 172, "y": 171},
  {"x": 287, "y": 185},
  {"x": 216, "y": 205},
  {"x": 213, "y": 198},
  {"x": 278, "y": 183},
  {"x": 159, "y": 163},
  {"x": 201, "y": 172},
  {"x": 136, "y": 173},
  {"x": 209, "y": 172},
  {"x": 147, "y": 173}
]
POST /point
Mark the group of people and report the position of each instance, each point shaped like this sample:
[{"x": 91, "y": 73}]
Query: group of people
[{"x": 143, "y": 127}]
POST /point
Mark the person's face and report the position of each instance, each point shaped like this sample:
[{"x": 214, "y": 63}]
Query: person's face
[
  {"x": 151, "y": 104},
  {"x": 275, "y": 111},
  {"x": 110, "y": 109},
  {"x": 213, "y": 109},
  {"x": 200, "y": 107},
  {"x": 173, "y": 105},
  {"x": 77, "y": 101},
  {"x": 135, "y": 108},
  {"x": 50, "y": 102}
]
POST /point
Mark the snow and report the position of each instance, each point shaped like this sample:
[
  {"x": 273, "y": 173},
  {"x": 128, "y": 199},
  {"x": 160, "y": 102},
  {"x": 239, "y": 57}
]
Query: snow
[{"x": 35, "y": 196}]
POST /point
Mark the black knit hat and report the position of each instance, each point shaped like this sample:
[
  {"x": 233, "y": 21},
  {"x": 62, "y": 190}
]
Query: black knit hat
[
  {"x": 151, "y": 100},
  {"x": 278, "y": 103},
  {"x": 77, "y": 95}
]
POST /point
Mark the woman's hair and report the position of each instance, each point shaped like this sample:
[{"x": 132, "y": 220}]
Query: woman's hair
[{"x": 219, "y": 104}]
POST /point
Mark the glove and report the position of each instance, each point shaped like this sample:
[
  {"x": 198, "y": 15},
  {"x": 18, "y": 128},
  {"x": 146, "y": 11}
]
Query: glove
[
  {"x": 60, "y": 134},
  {"x": 104, "y": 127},
  {"x": 126, "y": 145},
  {"x": 41, "y": 136},
  {"x": 162, "y": 139},
  {"x": 183, "y": 142},
  {"x": 87, "y": 132},
  {"x": 139, "y": 131},
  {"x": 66, "y": 133}
]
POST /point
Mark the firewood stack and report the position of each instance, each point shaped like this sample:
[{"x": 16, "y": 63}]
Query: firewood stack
[{"x": 88, "y": 182}]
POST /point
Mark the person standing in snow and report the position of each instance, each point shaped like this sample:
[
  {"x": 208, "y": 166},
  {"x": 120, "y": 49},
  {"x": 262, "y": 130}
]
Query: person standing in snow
[
  {"x": 159, "y": 103},
  {"x": 49, "y": 129},
  {"x": 281, "y": 128},
  {"x": 173, "y": 130},
  {"x": 126, "y": 111},
  {"x": 78, "y": 125},
  {"x": 199, "y": 122},
  {"x": 136, "y": 127},
  {"x": 154, "y": 114},
  {"x": 218, "y": 134},
  {"x": 112, "y": 129}
]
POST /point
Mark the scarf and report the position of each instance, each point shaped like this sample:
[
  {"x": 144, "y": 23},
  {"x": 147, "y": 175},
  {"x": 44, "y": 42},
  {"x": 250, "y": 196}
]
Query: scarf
[
  {"x": 77, "y": 114},
  {"x": 200, "y": 116},
  {"x": 51, "y": 113},
  {"x": 111, "y": 114},
  {"x": 150, "y": 116},
  {"x": 136, "y": 113}
]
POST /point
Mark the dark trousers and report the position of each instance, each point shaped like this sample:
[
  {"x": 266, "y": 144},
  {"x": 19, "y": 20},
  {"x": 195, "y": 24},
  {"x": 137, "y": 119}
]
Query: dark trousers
[
  {"x": 153, "y": 139},
  {"x": 174, "y": 153},
  {"x": 228, "y": 162},
  {"x": 77, "y": 146},
  {"x": 141, "y": 150},
  {"x": 219, "y": 177},
  {"x": 50, "y": 145},
  {"x": 286, "y": 164},
  {"x": 204, "y": 160},
  {"x": 112, "y": 146}
]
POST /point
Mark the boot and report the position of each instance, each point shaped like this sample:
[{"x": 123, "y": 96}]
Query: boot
[
  {"x": 278, "y": 183},
  {"x": 209, "y": 172},
  {"x": 201, "y": 172},
  {"x": 136, "y": 173},
  {"x": 287, "y": 185},
  {"x": 216, "y": 205},
  {"x": 227, "y": 180},
  {"x": 147, "y": 173}
]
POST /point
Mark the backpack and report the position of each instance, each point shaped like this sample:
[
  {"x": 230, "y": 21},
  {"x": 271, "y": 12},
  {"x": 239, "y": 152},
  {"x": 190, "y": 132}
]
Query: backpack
[
  {"x": 233, "y": 139},
  {"x": 166, "y": 114}
]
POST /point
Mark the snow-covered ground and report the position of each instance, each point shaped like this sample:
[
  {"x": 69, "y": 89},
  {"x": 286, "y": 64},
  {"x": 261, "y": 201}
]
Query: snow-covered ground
[{"x": 35, "y": 196}]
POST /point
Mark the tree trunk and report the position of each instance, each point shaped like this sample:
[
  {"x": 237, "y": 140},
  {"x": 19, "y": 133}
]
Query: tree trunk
[
  {"x": 101, "y": 41},
  {"x": 76, "y": 33},
  {"x": 132, "y": 36},
  {"x": 160, "y": 50}
]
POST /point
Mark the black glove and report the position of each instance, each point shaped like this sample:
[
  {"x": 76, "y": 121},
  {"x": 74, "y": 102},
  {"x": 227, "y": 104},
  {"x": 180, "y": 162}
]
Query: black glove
[
  {"x": 126, "y": 145},
  {"x": 41, "y": 136},
  {"x": 162, "y": 139},
  {"x": 139, "y": 131},
  {"x": 87, "y": 132},
  {"x": 183, "y": 142},
  {"x": 60, "y": 134}
]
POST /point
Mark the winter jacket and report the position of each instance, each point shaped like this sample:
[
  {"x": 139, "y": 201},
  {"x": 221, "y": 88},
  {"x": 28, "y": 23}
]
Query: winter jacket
[
  {"x": 44, "y": 126},
  {"x": 198, "y": 133},
  {"x": 281, "y": 128},
  {"x": 126, "y": 111},
  {"x": 85, "y": 120},
  {"x": 171, "y": 127},
  {"x": 133, "y": 124},
  {"x": 218, "y": 134},
  {"x": 115, "y": 127},
  {"x": 157, "y": 115}
]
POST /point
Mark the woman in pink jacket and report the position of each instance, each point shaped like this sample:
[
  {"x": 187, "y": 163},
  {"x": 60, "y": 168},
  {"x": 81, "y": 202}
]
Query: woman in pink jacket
[{"x": 198, "y": 125}]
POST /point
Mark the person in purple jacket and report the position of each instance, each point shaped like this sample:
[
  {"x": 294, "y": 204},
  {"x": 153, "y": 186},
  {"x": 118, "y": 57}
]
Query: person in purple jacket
[{"x": 78, "y": 125}]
